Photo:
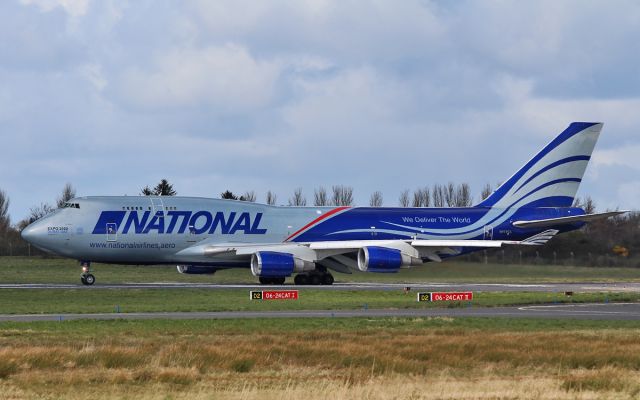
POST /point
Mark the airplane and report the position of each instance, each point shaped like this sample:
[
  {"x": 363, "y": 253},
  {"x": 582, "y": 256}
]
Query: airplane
[{"x": 203, "y": 235}]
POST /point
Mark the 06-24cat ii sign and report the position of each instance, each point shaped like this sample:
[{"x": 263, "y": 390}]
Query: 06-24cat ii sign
[{"x": 445, "y": 296}]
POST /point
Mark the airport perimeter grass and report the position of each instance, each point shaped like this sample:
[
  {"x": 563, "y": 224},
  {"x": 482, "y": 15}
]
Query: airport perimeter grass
[
  {"x": 90, "y": 300},
  {"x": 377, "y": 358},
  {"x": 393, "y": 358},
  {"x": 58, "y": 270}
]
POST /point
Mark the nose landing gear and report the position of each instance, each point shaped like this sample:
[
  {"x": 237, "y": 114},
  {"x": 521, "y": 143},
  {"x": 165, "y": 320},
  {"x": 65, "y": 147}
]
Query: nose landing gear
[{"x": 87, "y": 277}]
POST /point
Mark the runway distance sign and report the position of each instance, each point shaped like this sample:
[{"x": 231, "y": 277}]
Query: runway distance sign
[
  {"x": 445, "y": 296},
  {"x": 273, "y": 295}
]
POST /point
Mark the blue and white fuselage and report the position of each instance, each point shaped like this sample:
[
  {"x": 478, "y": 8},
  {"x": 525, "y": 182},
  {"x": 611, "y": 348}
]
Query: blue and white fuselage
[{"x": 208, "y": 234}]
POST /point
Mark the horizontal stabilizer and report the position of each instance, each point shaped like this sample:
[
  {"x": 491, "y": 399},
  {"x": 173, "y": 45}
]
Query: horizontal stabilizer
[
  {"x": 540, "y": 223},
  {"x": 541, "y": 238}
]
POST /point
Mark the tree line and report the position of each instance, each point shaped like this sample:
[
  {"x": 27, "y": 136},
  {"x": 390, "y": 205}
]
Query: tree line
[{"x": 449, "y": 195}]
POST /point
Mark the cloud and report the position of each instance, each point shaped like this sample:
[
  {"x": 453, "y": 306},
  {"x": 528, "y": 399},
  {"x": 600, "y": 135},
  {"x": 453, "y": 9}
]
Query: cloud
[
  {"x": 275, "y": 95},
  {"x": 75, "y": 8},
  {"x": 630, "y": 190},
  {"x": 621, "y": 156},
  {"x": 223, "y": 78}
]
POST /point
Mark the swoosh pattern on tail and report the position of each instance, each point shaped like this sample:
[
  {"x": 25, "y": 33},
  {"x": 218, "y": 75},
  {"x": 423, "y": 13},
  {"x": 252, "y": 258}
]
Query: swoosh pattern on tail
[{"x": 552, "y": 177}]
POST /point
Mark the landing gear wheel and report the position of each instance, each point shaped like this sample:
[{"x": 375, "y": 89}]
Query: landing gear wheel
[
  {"x": 315, "y": 279},
  {"x": 86, "y": 277},
  {"x": 327, "y": 279},
  {"x": 301, "y": 279},
  {"x": 89, "y": 279},
  {"x": 272, "y": 280}
]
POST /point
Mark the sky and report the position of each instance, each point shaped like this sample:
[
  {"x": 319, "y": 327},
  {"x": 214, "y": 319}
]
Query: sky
[{"x": 274, "y": 95}]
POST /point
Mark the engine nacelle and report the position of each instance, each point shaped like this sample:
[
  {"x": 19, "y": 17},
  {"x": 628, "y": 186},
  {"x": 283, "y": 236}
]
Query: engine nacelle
[
  {"x": 196, "y": 269},
  {"x": 381, "y": 259},
  {"x": 274, "y": 264}
]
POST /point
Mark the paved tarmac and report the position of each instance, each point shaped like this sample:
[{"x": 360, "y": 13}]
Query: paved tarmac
[
  {"x": 608, "y": 311},
  {"x": 466, "y": 287}
]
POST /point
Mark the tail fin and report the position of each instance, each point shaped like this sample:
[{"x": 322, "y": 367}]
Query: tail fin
[{"x": 552, "y": 177}]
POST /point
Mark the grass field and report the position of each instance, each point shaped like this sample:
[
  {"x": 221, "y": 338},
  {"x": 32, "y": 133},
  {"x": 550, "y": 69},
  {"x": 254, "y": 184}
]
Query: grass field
[
  {"x": 88, "y": 300},
  {"x": 317, "y": 359},
  {"x": 93, "y": 300},
  {"x": 55, "y": 270},
  {"x": 361, "y": 358}
]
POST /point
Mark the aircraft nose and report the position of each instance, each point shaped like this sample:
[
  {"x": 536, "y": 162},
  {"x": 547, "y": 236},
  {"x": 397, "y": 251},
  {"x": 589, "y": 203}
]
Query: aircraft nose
[
  {"x": 33, "y": 233},
  {"x": 28, "y": 233}
]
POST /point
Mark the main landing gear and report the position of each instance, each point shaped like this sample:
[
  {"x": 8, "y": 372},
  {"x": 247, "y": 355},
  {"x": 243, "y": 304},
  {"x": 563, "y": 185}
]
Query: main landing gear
[
  {"x": 87, "y": 277},
  {"x": 278, "y": 280},
  {"x": 314, "y": 278},
  {"x": 307, "y": 278}
]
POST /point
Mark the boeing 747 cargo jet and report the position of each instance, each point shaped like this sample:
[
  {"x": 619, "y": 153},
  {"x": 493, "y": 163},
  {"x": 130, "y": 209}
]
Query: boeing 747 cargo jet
[{"x": 203, "y": 235}]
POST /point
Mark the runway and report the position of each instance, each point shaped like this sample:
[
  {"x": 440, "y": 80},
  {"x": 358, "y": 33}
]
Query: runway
[
  {"x": 472, "y": 287},
  {"x": 609, "y": 311}
]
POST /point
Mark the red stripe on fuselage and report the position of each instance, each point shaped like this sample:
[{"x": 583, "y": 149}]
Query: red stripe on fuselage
[{"x": 315, "y": 221}]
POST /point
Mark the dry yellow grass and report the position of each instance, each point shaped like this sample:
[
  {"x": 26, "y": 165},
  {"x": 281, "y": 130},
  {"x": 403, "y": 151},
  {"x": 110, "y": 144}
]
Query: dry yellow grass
[
  {"x": 296, "y": 384},
  {"x": 424, "y": 363}
]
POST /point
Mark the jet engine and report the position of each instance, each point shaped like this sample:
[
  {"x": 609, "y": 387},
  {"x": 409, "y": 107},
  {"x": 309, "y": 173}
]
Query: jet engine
[
  {"x": 382, "y": 259},
  {"x": 274, "y": 264},
  {"x": 196, "y": 269}
]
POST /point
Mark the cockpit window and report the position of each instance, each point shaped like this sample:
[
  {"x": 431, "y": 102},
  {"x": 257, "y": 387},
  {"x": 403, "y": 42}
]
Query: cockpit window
[{"x": 71, "y": 205}]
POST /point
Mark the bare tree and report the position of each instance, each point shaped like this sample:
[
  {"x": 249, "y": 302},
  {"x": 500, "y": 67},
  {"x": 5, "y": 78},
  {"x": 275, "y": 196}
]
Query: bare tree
[
  {"x": 320, "y": 197},
  {"x": 486, "y": 191},
  {"x": 5, "y": 221},
  {"x": 422, "y": 197},
  {"x": 342, "y": 195},
  {"x": 587, "y": 204},
  {"x": 404, "y": 198},
  {"x": 249, "y": 196},
  {"x": 37, "y": 212},
  {"x": 450, "y": 195},
  {"x": 426, "y": 197},
  {"x": 417, "y": 198},
  {"x": 68, "y": 193},
  {"x": 376, "y": 199},
  {"x": 463, "y": 196},
  {"x": 271, "y": 198},
  {"x": 298, "y": 198},
  {"x": 438, "y": 195}
]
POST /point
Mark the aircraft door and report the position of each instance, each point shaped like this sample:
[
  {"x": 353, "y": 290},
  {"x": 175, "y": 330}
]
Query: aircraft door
[
  {"x": 488, "y": 232},
  {"x": 157, "y": 206},
  {"x": 112, "y": 232},
  {"x": 158, "y": 211}
]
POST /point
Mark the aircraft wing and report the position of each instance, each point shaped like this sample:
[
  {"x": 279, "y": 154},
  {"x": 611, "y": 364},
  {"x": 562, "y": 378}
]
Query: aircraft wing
[
  {"x": 566, "y": 220},
  {"x": 336, "y": 250}
]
